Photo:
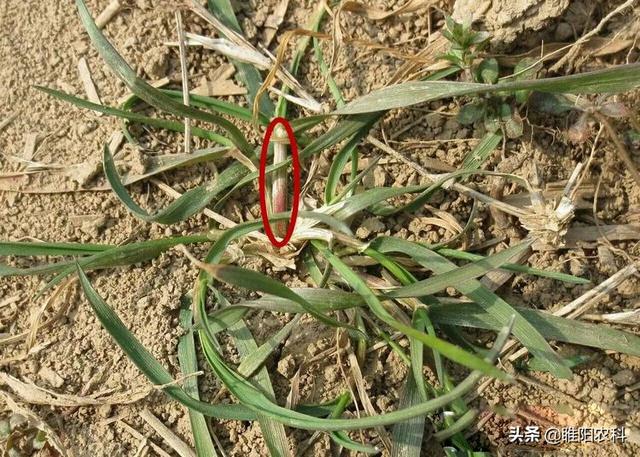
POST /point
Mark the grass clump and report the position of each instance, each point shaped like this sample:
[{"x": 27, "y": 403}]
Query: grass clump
[{"x": 401, "y": 302}]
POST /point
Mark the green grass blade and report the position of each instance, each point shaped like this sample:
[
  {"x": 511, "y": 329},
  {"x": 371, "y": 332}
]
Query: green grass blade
[
  {"x": 447, "y": 349},
  {"x": 522, "y": 330},
  {"x": 417, "y": 356},
  {"x": 219, "y": 106},
  {"x": 256, "y": 400},
  {"x": 460, "y": 275},
  {"x": 248, "y": 395},
  {"x": 371, "y": 197},
  {"x": 188, "y": 365},
  {"x": 463, "y": 255},
  {"x": 150, "y": 94},
  {"x": 407, "y": 436},
  {"x": 551, "y": 327},
  {"x": 118, "y": 256},
  {"x": 224, "y": 318},
  {"x": 326, "y": 73},
  {"x": 421, "y": 199},
  {"x": 247, "y": 73},
  {"x": 147, "y": 364},
  {"x": 611, "y": 80},
  {"x": 180, "y": 209},
  {"x": 461, "y": 424},
  {"x": 343, "y": 130},
  {"x": 339, "y": 162},
  {"x": 253, "y": 280},
  {"x": 272, "y": 431},
  {"x": 324, "y": 300},
  {"x": 54, "y": 268},
  {"x": 341, "y": 438},
  {"x": 166, "y": 124},
  {"x": 37, "y": 248},
  {"x": 479, "y": 155},
  {"x": 467, "y": 315},
  {"x": 258, "y": 355}
]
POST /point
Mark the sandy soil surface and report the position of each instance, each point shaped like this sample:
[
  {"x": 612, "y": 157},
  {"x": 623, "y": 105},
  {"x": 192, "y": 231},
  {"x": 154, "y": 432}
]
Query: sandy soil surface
[{"x": 41, "y": 43}]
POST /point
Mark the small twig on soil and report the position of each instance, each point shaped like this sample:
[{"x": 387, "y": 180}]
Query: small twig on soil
[
  {"x": 358, "y": 379},
  {"x": 33, "y": 394},
  {"x": 25, "y": 355},
  {"x": 143, "y": 448},
  {"x": 117, "y": 137},
  {"x": 185, "y": 80},
  {"x": 580, "y": 305},
  {"x": 576, "y": 46},
  {"x": 603, "y": 235},
  {"x": 574, "y": 192},
  {"x": 21, "y": 336},
  {"x": 621, "y": 149}
]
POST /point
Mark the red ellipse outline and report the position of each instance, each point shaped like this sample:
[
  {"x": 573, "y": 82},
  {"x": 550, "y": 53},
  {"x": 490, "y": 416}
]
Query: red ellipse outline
[{"x": 262, "y": 182}]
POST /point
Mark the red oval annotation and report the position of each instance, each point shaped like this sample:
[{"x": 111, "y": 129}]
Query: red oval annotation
[{"x": 262, "y": 182}]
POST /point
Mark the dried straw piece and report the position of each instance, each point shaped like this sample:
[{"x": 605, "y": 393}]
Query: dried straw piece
[
  {"x": 9, "y": 301},
  {"x": 244, "y": 48},
  {"x": 587, "y": 300},
  {"x": 219, "y": 84},
  {"x": 133, "y": 432},
  {"x": 185, "y": 80},
  {"x": 30, "y": 142},
  {"x": 108, "y": 13},
  {"x": 52, "y": 438},
  {"x": 171, "y": 438},
  {"x": 621, "y": 149},
  {"x": 595, "y": 46},
  {"x": 625, "y": 317},
  {"x": 273, "y": 22},
  {"x": 115, "y": 141},
  {"x": 30, "y": 393},
  {"x": 35, "y": 321},
  {"x": 87, "y": 82},
  {"x": 575, "y": 48},
  {"x": 21, "y": 336},
  {"x": 358, "y": 380},
  {"x": 581, "y": 304}
]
